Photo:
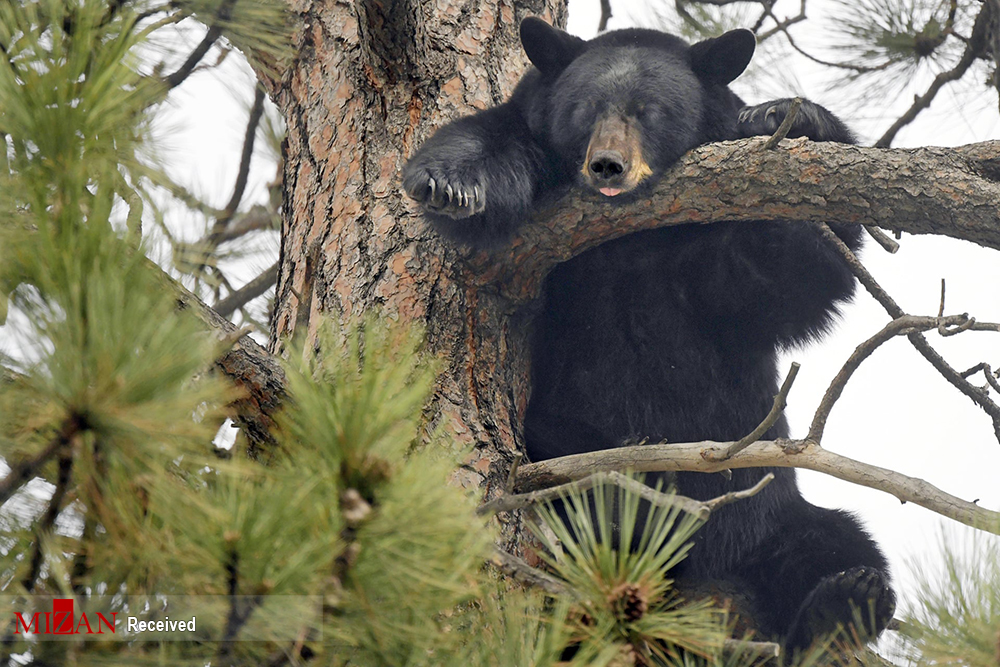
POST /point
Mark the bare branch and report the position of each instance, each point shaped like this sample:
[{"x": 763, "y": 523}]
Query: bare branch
[
  {"x": 702, "y": 510},
  {"x": 991, "y": 377},
  {"x": 605, "y": 15},
  {"x": 249, "y": 136},
  {"x": 781, "y": 453},
  {"x": 901, "y": 325},
  {"x": 252, "y": 290},
  {"x": 783, "y": 27},
  {"x": 978, "y": 396},
  {"x": 256, "y": 219},
  {"x": 214, "y": 32},
  {"x": 780, "y": 26},
  {"x": 23, "y": 471},
  {"x": 526, "y": 574}
]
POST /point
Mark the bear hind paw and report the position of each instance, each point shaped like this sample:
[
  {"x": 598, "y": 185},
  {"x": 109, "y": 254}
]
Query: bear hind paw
[{"x": 858, "y": 600}]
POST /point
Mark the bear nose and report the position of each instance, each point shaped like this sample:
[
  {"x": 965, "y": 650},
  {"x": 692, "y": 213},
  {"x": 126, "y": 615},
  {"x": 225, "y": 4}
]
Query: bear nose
[{"x": 607, "y": 164}]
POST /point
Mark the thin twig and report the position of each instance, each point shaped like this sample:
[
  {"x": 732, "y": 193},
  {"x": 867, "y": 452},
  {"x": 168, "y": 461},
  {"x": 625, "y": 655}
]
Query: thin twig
[
  {"x": 887, "y": 242},
  {"x": 700, "y": 509},
  {"x": 248, "y": 292},
  {"x": 777, "y": 407},
  {"x": 214, "y": 32},
  {"x": 786, "y": 125},
  {"x": 900, "y": 325},
  {"x": 512, "y": 473},
  {"x": 526, "y": 574},
  {"x": 744, "y": 648},
  {"x": 733, "y": 496}
]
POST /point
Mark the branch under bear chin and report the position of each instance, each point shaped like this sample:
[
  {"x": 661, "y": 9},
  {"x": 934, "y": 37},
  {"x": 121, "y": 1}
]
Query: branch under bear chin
[{"x": 947, "y": 191}]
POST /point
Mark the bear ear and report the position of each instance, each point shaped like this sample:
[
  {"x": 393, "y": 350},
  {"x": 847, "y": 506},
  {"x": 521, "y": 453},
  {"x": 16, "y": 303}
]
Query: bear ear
[
  {"x": 549, "y": 49},
  {"x": 722, "y": 59}
]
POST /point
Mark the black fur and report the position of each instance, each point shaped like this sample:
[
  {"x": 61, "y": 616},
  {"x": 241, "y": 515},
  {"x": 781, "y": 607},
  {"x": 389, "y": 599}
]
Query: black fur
[{"x": 672, "y": 334}]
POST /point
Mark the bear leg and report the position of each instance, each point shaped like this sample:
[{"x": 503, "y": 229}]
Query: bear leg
[
  {"x": 817, "y": 572},
  {"x": 861, "y": 593}
]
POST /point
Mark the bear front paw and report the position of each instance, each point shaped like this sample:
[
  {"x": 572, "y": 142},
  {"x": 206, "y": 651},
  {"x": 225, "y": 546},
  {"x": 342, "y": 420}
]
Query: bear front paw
[
  {"x": 445, "y": 194},
  {"x": 811, "y": 120},
  {"x": 765, "y": 118},
  {"x": 859, "y": 598}
]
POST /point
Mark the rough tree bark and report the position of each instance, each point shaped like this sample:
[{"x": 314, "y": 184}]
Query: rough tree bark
[{"x": 370, "y": 81}]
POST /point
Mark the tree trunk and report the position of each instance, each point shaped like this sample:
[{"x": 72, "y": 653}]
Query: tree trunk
[{"x": 371, "y": 80}]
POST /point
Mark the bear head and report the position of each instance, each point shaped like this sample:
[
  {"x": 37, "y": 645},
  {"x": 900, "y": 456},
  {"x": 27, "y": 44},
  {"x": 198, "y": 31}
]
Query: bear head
[{"x": 623, "y": 107}]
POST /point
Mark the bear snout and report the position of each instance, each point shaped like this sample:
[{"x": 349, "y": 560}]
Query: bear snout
[{"x": 614, "y": 162}]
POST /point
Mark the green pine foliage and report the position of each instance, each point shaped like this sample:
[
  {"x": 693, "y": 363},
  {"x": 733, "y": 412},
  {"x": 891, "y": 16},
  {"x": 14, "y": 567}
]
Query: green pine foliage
[
  {"x": 957, "y": 617},
  {"x": 626, "y": 597}
]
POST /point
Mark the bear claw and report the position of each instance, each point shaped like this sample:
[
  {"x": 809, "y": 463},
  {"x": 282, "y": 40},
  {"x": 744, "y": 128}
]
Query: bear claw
[{"x": 441, "y": 196}]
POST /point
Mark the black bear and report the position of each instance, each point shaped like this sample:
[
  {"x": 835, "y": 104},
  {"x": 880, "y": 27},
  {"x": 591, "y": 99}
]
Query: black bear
[{"x": 672, "y": 334}]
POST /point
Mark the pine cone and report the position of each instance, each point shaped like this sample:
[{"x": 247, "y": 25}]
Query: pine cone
[{"x": 629, "y": 601}]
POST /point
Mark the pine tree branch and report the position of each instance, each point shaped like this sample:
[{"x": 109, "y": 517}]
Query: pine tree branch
[
  {"x": 251, "y": 368},
  {"x": 253, "y": 289},
  {"x": 213, "y": 34},
  {"x": 24, "y": 471},
  {"x": 974, "y": 48},
  {"x": 782, "y": 453},
  {"x": 947, "y": 191}
]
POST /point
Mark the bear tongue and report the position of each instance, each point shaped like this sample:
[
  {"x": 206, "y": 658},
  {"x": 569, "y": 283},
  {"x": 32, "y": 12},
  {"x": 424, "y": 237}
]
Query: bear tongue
[{"x": 610, "y": 192}]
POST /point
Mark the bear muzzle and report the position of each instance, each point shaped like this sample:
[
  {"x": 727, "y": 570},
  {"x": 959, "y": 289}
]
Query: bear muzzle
[{"x": 614, "y": 162}]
